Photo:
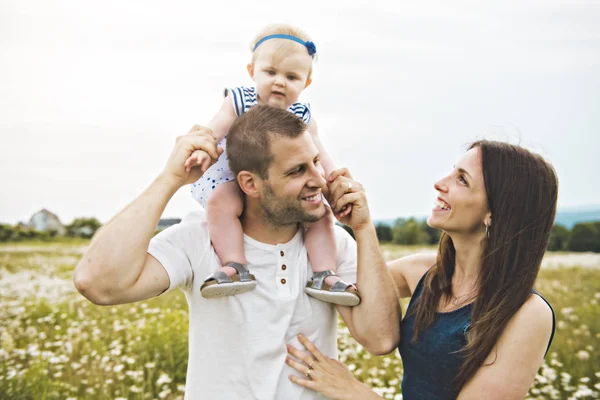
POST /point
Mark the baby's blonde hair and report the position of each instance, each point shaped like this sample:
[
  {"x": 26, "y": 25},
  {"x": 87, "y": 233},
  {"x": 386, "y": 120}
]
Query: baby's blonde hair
[{"x": 286, "y": 45}]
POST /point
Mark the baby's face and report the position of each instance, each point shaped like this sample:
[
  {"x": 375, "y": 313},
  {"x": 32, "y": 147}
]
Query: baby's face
[{"x": 280, "y": 80}]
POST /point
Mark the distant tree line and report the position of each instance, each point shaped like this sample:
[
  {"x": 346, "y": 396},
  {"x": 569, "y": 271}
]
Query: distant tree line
[
  {"x": 584, "y": 236},
  {"x": 406, "y": 231},
  {"x": 79, "y": 228}
]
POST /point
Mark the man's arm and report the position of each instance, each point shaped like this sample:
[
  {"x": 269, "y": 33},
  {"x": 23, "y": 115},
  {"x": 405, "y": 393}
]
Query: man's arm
[
  {"x": 375, "y": 322},
  {"x": 116, "y": 267}
]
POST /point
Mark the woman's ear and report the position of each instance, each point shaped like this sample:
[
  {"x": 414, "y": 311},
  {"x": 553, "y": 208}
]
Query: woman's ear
[
  {"x": 488, "y": 220},
  {"x": 249, "y": 184}
]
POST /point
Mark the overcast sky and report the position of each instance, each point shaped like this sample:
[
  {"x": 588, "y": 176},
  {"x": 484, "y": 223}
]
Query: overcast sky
[{"x": 93, "y": 94}]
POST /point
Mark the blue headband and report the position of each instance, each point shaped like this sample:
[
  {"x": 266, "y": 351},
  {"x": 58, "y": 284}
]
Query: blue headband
[{"x": 310, "y": 46}]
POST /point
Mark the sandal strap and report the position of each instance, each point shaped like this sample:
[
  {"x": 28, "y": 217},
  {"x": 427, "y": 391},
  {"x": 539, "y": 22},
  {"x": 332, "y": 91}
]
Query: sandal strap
[
  {"x": 341, "y": 286},
  {"x": 219, "y": 277},
  {"x": 241, "y": 269},
  {"x": 318, "y": 278}
]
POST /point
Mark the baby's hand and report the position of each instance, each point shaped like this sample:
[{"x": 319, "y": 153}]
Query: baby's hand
[{"x": 198, "y": 158}]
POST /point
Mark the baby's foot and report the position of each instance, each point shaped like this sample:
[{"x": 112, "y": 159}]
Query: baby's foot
[
  {"x": 229, "y": 271},
  {"x": 231, "y": 279},
  {"x": 335, "y": 290}
]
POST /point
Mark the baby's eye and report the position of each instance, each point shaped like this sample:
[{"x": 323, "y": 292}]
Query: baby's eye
[
  {"x": 271, "y": 72},
  {"x": 292, "y": 77}
]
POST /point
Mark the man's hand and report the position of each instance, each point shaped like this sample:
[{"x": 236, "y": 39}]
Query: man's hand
[
  {"x": 347, "y": 194},
  {"x": 198, "y": 138}
]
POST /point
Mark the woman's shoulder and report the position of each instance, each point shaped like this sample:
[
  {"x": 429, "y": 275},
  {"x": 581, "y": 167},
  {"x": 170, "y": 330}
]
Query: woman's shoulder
[
  {"x": 534, "y": 320},
  {"x": 408, "y": 271},
  {"x": 535, "y": 313}
]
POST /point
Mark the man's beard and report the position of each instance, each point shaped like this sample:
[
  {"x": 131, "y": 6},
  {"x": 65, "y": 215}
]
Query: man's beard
[{"x": 280, "y": 212}]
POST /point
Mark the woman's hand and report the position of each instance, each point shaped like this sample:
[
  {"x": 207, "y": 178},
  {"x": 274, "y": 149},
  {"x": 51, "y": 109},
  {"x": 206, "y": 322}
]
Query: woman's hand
[
  {"x": 325, "y": 375},
  {"x": 348, "y": 200}
]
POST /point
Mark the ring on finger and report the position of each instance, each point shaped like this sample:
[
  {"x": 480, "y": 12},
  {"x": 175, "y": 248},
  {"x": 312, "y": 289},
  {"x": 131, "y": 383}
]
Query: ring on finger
[
  {"x": 349, "y": 188},
  {"x": 310, "y": 365},
  {"x": 307, "y": 373}
]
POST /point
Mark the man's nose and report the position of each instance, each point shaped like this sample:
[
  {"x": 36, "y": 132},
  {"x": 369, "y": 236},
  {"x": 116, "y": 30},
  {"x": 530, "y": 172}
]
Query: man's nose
[{"x": 317, "y": 178}]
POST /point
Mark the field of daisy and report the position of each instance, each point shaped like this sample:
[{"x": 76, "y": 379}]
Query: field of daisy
[{"x": 57, "y": 345}]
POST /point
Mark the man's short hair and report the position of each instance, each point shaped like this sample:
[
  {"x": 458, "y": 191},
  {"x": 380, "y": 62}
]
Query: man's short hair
[{"x": 249, "y": 139}]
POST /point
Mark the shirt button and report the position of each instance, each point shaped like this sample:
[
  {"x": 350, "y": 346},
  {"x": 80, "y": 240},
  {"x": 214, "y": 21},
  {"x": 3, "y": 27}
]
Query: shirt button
[
  {"x": 283, "y": 281},
  {"x": 281, "y": 253},
  {"x": 284, "y": 267}
]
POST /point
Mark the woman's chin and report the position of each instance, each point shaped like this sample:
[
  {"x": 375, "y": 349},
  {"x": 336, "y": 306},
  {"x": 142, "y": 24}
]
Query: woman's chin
[{"x": 433, "y": 222}]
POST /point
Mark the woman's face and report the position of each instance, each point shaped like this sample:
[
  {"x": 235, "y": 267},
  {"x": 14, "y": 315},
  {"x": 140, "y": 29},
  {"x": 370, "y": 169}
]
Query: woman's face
[{"x": 461, "y": 205}]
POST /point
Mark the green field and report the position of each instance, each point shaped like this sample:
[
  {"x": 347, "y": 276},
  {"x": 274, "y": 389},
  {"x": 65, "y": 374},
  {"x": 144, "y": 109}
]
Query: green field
[{"x": 57, "y": 345}]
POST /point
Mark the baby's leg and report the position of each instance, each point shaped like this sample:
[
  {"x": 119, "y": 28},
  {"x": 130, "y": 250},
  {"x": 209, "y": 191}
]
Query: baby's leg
[
  {"x": 224, "y": 207},
  {"x": 319, "y": 239}
]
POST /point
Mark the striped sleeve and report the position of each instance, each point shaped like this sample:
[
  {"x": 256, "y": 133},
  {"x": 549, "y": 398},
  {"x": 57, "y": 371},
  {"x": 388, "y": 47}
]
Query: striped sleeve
[
  {"x": 242, "y": 97},
  {"x": 237, "y": 99},
  {"x": 301, "y": 110}
]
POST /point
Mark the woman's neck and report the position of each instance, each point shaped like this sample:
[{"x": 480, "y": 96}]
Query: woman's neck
[{"x": 467, "y": 261}]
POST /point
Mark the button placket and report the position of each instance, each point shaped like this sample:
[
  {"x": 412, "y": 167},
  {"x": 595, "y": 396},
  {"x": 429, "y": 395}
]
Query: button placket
[{"x": 282, "y": 276}]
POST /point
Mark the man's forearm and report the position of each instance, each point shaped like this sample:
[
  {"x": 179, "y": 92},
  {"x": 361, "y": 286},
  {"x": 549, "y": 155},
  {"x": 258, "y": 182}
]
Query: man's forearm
[
  {"x": 116, "y": 255},
  {"x": 376, "y": 321}
]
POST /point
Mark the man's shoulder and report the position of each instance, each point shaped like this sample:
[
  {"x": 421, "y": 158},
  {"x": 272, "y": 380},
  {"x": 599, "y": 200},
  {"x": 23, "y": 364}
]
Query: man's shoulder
[{"x": 192, "y": 225}]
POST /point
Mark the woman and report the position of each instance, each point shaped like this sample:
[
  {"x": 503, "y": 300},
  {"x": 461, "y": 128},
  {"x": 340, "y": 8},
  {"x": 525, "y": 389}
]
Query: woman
[{"x": 475, "y": 328}]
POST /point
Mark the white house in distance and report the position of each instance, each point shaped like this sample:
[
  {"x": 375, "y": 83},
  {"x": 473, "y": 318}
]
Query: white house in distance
[{"x": 45, "y": 221}]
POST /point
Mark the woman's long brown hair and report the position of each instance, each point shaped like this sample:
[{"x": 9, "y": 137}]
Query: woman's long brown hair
[{"x": 522, "y": 190}]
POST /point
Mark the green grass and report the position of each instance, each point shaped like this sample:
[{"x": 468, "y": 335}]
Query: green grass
[{"x": 56, "y": 345}]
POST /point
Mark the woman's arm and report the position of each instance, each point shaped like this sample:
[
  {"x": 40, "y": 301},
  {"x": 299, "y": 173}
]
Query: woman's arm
[
  {"x": 325, "y": 375},
  {"x": 408, "y": 271},
  {"x": 510, "y": 369}
]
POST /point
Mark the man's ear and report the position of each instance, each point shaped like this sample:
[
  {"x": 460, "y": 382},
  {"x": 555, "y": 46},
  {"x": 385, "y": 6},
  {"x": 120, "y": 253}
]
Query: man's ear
[
  {"x": 308, "y": 82},
  {"x": 249, "y": 183},
  {"x": 250, "y": 68}
]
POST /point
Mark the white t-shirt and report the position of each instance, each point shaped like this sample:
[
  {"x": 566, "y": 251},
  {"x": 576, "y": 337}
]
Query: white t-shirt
[{"x": 237, "y": 344}]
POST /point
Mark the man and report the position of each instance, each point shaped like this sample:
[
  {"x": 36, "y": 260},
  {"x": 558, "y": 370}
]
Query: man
[{"x": 237, "y": 344}]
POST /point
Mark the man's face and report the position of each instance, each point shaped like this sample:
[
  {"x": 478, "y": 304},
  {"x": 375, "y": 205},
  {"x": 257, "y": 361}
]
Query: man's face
[{"x": 292, "y": 192}]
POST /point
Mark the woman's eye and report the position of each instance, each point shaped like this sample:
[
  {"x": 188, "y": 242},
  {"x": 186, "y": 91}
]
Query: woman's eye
[{"x": 462, "y": 179}]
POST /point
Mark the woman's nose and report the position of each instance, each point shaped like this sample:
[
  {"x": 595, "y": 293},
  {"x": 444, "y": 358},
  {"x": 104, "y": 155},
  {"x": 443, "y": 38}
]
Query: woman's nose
[{"x": 441, "y": 185}]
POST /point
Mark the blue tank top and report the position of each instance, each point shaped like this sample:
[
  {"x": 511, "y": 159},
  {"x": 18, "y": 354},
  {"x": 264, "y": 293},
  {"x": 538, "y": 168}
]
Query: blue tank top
[{"x": 431, "y": 364}]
